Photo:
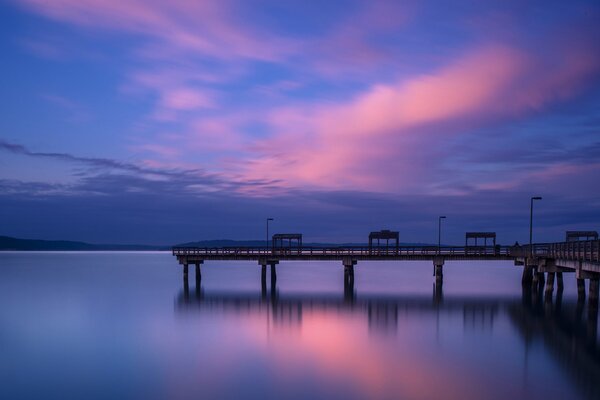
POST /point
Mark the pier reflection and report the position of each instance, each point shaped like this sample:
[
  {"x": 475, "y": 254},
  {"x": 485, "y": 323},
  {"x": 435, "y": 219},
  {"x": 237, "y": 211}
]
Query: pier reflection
[
  {"x": 567, "y": 330},
  {"x": 382, "y": 312}
]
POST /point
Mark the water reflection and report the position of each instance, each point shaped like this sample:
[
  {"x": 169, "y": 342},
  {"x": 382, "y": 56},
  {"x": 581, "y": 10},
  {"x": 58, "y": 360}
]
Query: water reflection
[
  {"x": 568, "y": 332},
  {"x": 566, "y": 329}
]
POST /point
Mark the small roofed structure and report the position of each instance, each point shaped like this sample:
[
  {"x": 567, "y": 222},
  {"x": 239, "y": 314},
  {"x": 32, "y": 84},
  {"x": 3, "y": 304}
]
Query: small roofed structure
[
  {"x": 287, "y": 243},
  {"x": 386, "y": 235},
  {"x": 575, "y": 236},
  {"x": 475, "y": 236},
  {"x": 472, "y": 246}
]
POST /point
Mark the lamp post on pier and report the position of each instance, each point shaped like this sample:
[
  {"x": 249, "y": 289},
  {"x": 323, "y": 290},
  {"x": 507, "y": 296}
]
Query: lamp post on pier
[
  {"x": 531, "y": 225},
  {"x": 440, "y": 232},
  {"x": 267, "y": 247}
]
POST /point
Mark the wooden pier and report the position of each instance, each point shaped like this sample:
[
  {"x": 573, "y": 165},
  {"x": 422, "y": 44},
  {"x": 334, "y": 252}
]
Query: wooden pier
[{"x": 543, "y": 263}]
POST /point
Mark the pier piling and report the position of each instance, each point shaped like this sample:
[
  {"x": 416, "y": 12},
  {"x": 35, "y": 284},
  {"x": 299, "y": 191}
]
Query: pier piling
[
  {"x": 550, "y": 285},
  {"x": 273, "y": 275},
  {"x": 594, "y": 292},
  {"x": 580, "y": 288},
  {"x": 263, "y": 274},
  {"x": 438, "y": 264},
  {"x": 198, "y": 273},
  {"x": 559, "y": 282},
  {"x": 349, "y": 264},
  {"x": 541, "y": 279},
  {"x": 263, "y": 262},
  {"x": 527, "y": 277}
]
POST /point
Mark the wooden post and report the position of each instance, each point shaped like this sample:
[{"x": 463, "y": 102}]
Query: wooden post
[
  {"x": 438, "y": 264},
  {"x": 580, "y": 289},
  {"x": 559, "y": 282},
  {"x": 273, "y": 275},
  {"x": 527, "y": 278},
  {"x": 535, "y": 279},
  {"x": 549, "y": 285},
  {"x": 594, "y": 292},
  {"x": 198, "y": 274},
  {"x": 263, "y": 274},
  {"x": 186, "y": 285},
  {"x": 348, "y": 272},
  {"x": 541, "y": 280}
]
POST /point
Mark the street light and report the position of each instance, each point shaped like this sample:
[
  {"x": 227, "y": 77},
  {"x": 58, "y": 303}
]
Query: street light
[
  {"x": 440, "y": 232},
  {"x": 531, "y": 224},
  {"x": 268, "y": 219}
]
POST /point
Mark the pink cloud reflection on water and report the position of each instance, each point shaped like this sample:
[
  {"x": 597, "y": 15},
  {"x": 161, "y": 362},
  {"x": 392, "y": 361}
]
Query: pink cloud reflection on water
[{"x": 335, "y": 350}]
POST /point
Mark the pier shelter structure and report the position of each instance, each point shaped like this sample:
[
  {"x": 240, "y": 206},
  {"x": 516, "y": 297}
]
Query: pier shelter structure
[
  {"x": 287, "y": 243},
  {"x": 575, "y": 236},
  {"x": 387, "y": 235},
  {"x": 473, "y": 237},
  {"x": 473, "y": 244}
]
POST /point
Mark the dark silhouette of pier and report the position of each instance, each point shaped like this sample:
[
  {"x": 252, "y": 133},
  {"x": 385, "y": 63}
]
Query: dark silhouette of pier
[
  {"x": 568, "y": 330},
  {"x": 543, "y": 263}
]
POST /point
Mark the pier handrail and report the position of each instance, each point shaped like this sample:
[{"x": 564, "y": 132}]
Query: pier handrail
[
  {"x": 588, "y": 250},
  {"x": 345, "y": 250}
]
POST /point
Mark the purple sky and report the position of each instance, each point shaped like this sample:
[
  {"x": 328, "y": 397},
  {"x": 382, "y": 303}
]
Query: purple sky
[{"x": 167, "y": 121}]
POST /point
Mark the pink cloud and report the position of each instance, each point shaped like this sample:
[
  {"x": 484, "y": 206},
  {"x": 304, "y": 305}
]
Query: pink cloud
[
  {"x": 343, "y": 145},
  {"x": 385, "y": 138}
]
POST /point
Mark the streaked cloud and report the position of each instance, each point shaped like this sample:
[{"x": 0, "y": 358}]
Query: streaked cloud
[{"x": 330, "y": 108}]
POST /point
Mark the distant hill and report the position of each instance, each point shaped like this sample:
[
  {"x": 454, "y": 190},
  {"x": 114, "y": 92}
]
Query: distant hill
[{"x": 10, "y": 243}]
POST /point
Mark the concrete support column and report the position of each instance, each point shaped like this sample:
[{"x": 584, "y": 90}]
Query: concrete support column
[
  {"x": 438, "y": 264},
  {"x": 198, "y": 273},
  {"x": 348, "y": 272},
  {"x": 527, "y": 278},
  {"x": 273, "y": 275},
  {"x": 592, "y": 317},
  {"x": 186, "y": 285},
  {"x": 438, "y": 294},
  {"x": 263, "y": 262},
  {"x": 558, "y": 301},
  {"x": 559, "y": 282},
  {"x": 594, "y": 292},
  {"x": 263, "y": 275},
  {"x": 540, "y": 280},
  {"x": 550, "y": 285},
  {"x": 580, "y": 289}
]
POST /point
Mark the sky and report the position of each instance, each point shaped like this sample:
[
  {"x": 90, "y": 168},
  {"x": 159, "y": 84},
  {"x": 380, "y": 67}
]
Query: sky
[{"x": 161, "y": 122}]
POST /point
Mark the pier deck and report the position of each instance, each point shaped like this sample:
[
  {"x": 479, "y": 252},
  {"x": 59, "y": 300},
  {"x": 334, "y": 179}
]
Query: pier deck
[{"x": 540, "y": 261}]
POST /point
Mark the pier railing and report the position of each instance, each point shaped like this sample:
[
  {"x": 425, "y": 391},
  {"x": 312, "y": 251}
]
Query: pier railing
[
  {"x": 588, "y": 250},
  {"x": 577, "y": 250},
  {"x": 583, "y": 250},
  {"x": 346, "y": 251}
]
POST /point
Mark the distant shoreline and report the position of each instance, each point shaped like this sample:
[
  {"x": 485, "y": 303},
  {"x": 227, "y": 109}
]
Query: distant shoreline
[{"x": 8, "y": 243}]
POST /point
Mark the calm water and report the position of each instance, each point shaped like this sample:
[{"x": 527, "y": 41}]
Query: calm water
[{"x": 122, "y": 325}]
